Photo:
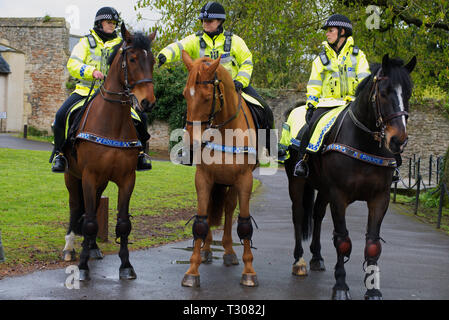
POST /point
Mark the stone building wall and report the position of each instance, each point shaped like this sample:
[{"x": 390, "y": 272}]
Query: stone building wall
[{"x": 45, "y": 43}]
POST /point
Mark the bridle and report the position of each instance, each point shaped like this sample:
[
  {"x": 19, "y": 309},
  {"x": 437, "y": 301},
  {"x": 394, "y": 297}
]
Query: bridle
[
  {"x": 216, "y": 82},
  {"x": 381, "y": 121},
  {"x": 129, "y": 97}
]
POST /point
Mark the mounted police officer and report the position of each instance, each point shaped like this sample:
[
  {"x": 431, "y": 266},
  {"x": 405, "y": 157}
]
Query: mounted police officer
[
  {"x": 336, "y": 72},
  {"x": 88, "y": 61},
  {"x": 213, "y": 41}
]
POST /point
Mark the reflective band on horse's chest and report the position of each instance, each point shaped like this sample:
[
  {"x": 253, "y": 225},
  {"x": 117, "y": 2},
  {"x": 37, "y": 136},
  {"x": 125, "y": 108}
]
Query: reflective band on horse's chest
[
  {"x": 359, "y": 155},
  {"x": 230, "y": 149},
  {"x": 108, "y": 142}
]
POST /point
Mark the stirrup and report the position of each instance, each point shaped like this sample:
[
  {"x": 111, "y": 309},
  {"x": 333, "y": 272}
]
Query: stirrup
[
  {"x": 143, "y": 162},
  {"x": 301, "y": 169},
  {"x": 396, "y": 177},
  {"x": 59, "y": 163}
]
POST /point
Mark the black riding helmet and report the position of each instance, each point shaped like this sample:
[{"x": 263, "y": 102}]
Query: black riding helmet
[
  {"x": 106, "y": 13},
  {"x": 212, "y": 10},
  {"x": 341, "y": 22}
]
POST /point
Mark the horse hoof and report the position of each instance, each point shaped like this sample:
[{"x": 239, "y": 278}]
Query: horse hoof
[
  {"x": 191, "y": 281},
  {"x": 69, "y": 255},
  {"x": 96, "y": 254},
  {"x": 317, "y": 265},
  {"x": 206, "y": 257},
  {"x": 300, "y": 268},
  {"x": 230, "y": 259},
  {"x": 84, "y": 275},
  {"x": 373, "y": 294},
  {"x": 249, "y": 280},
  {"x": 127, "y": 274},
  {"x": 338, "y": 294}
]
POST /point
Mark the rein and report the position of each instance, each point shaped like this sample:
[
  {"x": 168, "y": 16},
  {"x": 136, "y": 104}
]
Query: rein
[{"x": 381, "y": 122}]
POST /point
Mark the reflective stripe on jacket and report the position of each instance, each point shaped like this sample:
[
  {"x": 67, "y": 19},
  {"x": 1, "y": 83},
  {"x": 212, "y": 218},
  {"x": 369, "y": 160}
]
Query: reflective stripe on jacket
[
  {"x": 239, "y": 61},
  {"x": 84, "y": 60},
  {"x": 340, "y": 77}
]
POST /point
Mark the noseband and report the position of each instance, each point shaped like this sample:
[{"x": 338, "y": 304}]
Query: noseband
[
  {"x": 381, "y": 121},
  {"x": 126, "y": 93},
  {"x": 216, "y": 82}
]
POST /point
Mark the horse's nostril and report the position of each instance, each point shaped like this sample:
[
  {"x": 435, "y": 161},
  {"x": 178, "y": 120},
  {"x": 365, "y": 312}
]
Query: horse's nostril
[{"x": 147, "y": 105}]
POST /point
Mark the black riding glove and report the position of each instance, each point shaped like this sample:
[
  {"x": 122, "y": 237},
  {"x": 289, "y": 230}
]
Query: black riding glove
[
  {"x": 309, "y": 112},
  {"x": 238, "y": 85},
  {"x": 162, "y": 59}
]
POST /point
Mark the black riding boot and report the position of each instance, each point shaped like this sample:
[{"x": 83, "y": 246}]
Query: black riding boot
[
  {"x": 59, "y": 163},
  {"x": 301, "y": 167},
  {"x": 396, "y": 177},
  {"x": 143, "y": 160}
]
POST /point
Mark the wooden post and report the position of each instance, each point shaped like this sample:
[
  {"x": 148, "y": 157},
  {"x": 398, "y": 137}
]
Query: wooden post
[{"x": 102, "y": 219}]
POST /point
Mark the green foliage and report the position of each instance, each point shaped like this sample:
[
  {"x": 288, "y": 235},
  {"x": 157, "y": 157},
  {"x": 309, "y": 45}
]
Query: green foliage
[{"x": 168, "y": 88}]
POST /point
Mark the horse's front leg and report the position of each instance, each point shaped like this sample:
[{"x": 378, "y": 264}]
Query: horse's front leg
[
  {"x": 373, "y": 248},
  {"x": 200, "y": 228},
  {"x": 229, "y": 256},
  {"x": 123, "y": 226},
  {"x": 319, "y": 210},
  {"x": 245, "y": 229}
]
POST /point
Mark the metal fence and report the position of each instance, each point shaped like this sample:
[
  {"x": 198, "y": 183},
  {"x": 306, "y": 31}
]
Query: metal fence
[{"x": 423, "y": 173}]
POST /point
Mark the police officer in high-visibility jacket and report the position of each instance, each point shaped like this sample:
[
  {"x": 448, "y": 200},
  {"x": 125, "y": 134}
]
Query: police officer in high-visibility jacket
[
  {"x": 213, "y": 42},
  {"x": 336, "y": 72},
  {"x": 88, "y": 61}
]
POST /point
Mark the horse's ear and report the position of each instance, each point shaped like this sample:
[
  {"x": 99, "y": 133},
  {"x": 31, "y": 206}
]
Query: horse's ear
[
  {"x": 125, "y": 34},
  {"x": 213, "y": 66},
  {"x": 152, "y": 35},
  {"x": 411, "y": 65},
  {"x": 385, "y": 61},
  {"x": 187, "y": 60}
]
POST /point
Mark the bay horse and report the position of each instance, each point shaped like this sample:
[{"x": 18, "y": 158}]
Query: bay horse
[
  {"x": 214, "y": 106},
  {"x": 106, "y": 149},
  {"x": 356, "y": 164}
]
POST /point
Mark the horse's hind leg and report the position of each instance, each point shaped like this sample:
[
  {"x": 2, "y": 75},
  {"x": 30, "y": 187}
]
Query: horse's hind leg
[
  {"x": 377, "y": 209},
  {"x": 319, "y": 210},
  {"x": 123, "y": 227},
  {"x": 229, "y": 256},
  {"x": 76, "y": 204}
]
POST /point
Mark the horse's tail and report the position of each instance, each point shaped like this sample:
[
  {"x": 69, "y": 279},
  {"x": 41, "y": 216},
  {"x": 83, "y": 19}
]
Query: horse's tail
[
  {"x": 308, "y": 204},
  {"x": 216, "y": 204}
]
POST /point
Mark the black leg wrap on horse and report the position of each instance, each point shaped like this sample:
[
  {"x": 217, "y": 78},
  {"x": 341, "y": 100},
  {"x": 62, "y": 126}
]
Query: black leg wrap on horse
[
  {"x": 245, "y": 229},
  {"x": 90, "y": 228},
  {"x": 343, "y": 244},
  {"x": 200, "y": 228},
  {"x": 123, "y": 228}
]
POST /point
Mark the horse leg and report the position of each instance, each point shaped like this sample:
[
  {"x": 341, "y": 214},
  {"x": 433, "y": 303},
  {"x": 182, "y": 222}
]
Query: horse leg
[
  {"x": 245, "y": 230},
  {"x": 206, "y": 251},
  {"x": 373, "y": 248},
  {"x": 90, "y": 185},
  {"x": 229, "y": 256},
  {"x": 343, "y": 245},
  {"x": 123, "y": 226},
  {"x": 200, "y": 228},
  {"x": 296, "y": 188},
  {"x": 76, "y": 204},
  {"x": 319, "y": 211}
]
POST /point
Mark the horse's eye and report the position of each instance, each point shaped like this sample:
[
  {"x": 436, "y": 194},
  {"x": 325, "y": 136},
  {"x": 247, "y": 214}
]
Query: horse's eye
[{"x": 132, "y": 60}]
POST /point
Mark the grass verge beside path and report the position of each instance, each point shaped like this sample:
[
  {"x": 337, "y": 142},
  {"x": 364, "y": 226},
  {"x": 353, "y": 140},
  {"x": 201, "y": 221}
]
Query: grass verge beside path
[{"x": 34, "y": 210}]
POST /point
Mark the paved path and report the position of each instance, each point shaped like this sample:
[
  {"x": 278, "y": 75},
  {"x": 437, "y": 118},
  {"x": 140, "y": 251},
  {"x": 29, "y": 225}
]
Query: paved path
[
  {"x": 7, "y": 140},
  {"x": 414, "y": 262}
]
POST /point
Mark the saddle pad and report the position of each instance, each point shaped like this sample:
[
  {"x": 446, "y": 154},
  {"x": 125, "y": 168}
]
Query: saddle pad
[
  {"x": 322, "y": 128},
  {"x": 250, "y": 99},
  {"x": 78, "y": 105}
]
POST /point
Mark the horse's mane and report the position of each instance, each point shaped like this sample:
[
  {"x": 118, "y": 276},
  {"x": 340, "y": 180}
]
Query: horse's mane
[
  {"x": 396, "y": 75},
  {"x": 139, "y": 41}
]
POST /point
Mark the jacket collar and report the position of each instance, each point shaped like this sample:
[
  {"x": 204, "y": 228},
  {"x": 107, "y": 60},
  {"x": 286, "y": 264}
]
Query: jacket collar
[
  {"x": 98, "y": 39},
  {"x": 349, "y": 44}
]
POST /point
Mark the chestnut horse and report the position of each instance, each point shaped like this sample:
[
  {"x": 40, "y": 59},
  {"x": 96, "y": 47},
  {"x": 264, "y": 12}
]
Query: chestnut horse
[
  {"x": 106, "y": 149},
  {"x": 356, "y": 164},
  {"x": 214, "y": 107}
]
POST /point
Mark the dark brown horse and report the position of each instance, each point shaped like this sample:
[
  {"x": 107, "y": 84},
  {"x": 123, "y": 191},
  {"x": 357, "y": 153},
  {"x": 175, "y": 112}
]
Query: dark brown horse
[
  {"x": 357, "y": 165},
  {"x": 224, "y": 177},
  {"x": 106, "y": 149}
]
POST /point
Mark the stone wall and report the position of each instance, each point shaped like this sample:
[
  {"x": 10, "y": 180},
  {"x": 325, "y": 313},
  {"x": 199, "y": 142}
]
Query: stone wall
[{"x": 45, "y": 43}]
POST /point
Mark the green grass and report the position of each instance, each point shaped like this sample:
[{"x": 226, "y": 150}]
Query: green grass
[{"x": 34, "y": 210}]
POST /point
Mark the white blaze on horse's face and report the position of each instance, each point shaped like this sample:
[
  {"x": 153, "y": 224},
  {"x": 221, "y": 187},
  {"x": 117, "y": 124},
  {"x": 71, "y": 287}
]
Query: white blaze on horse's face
[
  {"x": 401, "y": 104},
  {"x": 192, "y": 91}
]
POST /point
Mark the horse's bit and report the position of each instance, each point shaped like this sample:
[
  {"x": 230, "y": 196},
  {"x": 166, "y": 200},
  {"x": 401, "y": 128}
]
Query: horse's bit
[
  {"x": 130, "y": 97},
  {"x": 381, "y": 122}
]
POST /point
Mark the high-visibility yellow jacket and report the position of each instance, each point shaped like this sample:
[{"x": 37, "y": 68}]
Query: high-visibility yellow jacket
[
  {"x": 337, "y": 76},
  {"x": 235, "y": 55},
  {"x": 85, "y": 59}
]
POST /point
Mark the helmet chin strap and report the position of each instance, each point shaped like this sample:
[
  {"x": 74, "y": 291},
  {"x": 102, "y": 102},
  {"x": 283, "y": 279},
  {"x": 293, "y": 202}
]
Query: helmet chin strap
[{"x": 334, "y": 45}]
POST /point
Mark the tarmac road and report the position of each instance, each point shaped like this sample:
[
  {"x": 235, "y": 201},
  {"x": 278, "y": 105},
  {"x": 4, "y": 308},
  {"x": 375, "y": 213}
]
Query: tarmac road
[{"x": 414, "y": 263}]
